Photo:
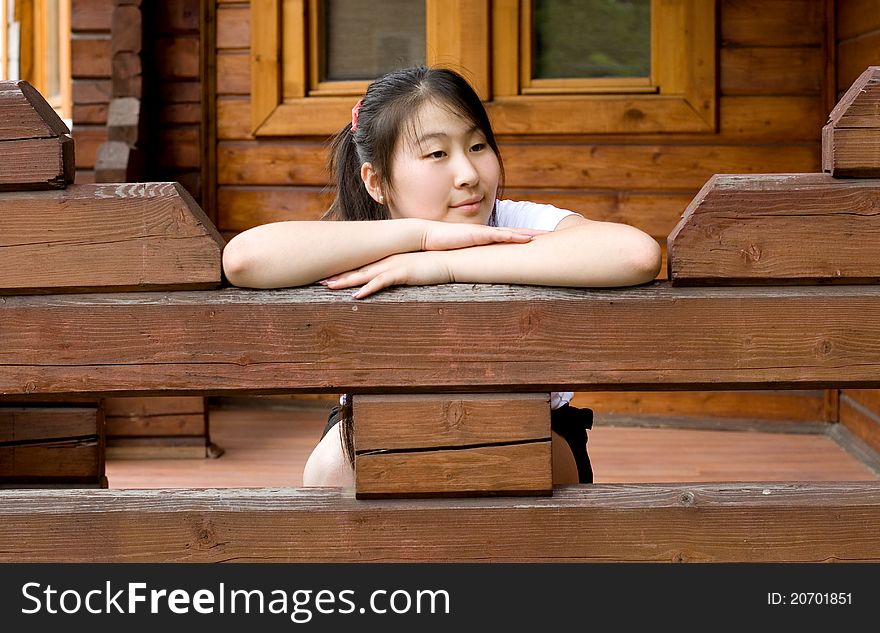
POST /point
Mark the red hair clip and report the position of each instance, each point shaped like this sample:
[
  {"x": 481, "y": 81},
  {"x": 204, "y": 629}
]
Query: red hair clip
[{"x": 354, "y": 115}]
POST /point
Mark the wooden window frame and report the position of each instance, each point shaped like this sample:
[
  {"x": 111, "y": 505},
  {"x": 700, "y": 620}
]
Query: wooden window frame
[{"x": 683, "y": 97}]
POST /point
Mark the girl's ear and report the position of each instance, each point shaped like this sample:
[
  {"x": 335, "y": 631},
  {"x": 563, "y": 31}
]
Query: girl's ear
[{"x": 372, "y": 182}]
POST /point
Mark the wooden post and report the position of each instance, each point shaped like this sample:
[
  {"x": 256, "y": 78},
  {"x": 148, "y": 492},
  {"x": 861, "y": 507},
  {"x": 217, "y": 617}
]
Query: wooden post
[
  {"x": 36, "y": 149},
  {"x": 442, "y": 445},
  {"x": 851, "y": 139}
]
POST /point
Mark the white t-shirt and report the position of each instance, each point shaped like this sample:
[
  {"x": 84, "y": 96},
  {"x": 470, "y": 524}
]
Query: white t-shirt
[{"x": 530, "y": 215}]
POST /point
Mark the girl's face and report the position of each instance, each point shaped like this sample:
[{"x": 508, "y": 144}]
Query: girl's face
[{"x": 444, "y": 170}]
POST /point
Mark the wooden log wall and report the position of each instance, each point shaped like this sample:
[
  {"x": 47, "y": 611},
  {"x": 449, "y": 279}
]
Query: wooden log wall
[
  {"x": 858, "y": 46},
  {"x": 774, "y": 99},
  {"x": 171, "y": 72}
]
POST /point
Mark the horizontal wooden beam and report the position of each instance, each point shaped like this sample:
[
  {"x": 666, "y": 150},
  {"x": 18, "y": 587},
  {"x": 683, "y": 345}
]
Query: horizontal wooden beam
[
  {"x": 774, "y": 229},
  {"x": 455, "y": 337},
  {"x": 773, "y": 522}
]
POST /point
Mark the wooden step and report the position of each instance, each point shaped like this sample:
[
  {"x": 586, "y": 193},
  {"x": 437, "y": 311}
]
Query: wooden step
[{"x": 851, "y": 139}]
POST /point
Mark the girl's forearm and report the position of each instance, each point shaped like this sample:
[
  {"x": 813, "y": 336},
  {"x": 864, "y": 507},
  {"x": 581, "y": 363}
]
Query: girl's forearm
[
  {"x": 296, "y": 253},
  {"x": 597, "y": 254}
]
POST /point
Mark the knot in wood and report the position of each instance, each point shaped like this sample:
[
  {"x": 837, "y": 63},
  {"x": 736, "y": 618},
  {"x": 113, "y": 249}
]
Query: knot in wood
[
  {"x": 824, "y": 347},
  {"x": 686, "y": 498},
  {"x": 454, "y": 414},
  {"x": 206, "y": 536},
  {"x": 752, "y": 254}
]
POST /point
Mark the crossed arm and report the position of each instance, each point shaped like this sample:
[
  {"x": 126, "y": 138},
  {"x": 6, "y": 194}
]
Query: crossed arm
[{"x": 378, "y": 254}]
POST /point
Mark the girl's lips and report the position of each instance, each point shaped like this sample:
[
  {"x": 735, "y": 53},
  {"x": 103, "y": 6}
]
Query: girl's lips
[{"x": 469, "y": 206}]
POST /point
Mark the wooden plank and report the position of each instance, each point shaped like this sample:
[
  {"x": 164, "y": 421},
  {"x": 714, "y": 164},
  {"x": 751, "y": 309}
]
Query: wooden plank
[
  {"x": 783, "y": 70},
  {"x": 869, "y": 398},
  {"x": 233, "y": 27},
  {"x": 90, "y": 56},
  {"x": 179, "y": 147},
  {"x": 127, "y": 29},
  {"x": 144, "y": 407},
  {"x": 427, "y": 421},
  {"x": 89, "y": 113},
  {"x": 434, "y": 445},
  {"x": 860, "y": 421},
  {"x": 91, "y": 91},
  {"x": 852, "y": 152},
  {"x": 60, "y": 460},
  {"x": 772, "y": 406},
  {"x": 26, "y": 114},
  {"x": 233, "y": 73},
  {"x": 180, "y": 16},
  {"x": 177, "y": 57},
  {"x": 403, "y": 340},
  {"x": 130, "y": 235},
  {"x": 40, "y": 163},
  {"x": 156, "y": 425},
  {"x": 856, "y": 17},
  {"x": 762, "y": 23},
  {"x": 854, "y": 55},
  {"x": 91, "y": 15},
  {"x": 87, "y": 139},
  {"x": 860, "y": 105},
  {"x": 171, "y": 447},
  {"x": 36, "y": 423},
  {"x": 599, "y": 166},
  {"x": 511, "y": 470},
  {"x": 740, "y": 229},
  {"x": 764, "y": 522}
]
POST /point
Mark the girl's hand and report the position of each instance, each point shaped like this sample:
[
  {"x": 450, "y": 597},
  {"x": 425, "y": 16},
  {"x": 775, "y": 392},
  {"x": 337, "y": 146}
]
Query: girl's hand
[
  {"x": 405, "y": 269},
  {"x": 444, "y": 236}
]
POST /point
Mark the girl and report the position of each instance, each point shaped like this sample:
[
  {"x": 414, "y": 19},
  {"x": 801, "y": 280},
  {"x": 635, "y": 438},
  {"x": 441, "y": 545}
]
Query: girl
[{"x": 418, "y": 174}]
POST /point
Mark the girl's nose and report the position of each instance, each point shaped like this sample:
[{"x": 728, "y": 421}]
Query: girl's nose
[{"x": 466, "y": 174}]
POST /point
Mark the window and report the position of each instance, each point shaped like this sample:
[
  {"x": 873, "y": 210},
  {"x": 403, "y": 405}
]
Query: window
[
  {"x": 651, "y": 67},
  {"x": 35, "y": 44}
]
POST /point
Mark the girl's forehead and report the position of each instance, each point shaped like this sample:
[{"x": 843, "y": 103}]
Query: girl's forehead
[{"x": 437, "y": 119}]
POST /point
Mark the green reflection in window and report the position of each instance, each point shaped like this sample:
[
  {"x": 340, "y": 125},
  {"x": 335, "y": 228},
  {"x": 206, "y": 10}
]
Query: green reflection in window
[{"x": 591, "y": 38}]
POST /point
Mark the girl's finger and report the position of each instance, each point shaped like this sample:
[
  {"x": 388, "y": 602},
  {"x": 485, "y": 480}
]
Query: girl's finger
[{"x": 378, "y": 282}]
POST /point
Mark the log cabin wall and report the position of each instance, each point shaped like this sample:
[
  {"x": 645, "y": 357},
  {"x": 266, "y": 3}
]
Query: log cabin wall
[
  {"x": 90, "y": 68},
  {"x": 772, "y": 102},
  {"x": 172, "y": 94},
  {"x": 858, "y": 46}
]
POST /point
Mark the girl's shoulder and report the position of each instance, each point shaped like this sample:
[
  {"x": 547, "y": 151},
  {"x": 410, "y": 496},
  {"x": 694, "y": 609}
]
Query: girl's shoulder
[{"x": 528, "y": 215}]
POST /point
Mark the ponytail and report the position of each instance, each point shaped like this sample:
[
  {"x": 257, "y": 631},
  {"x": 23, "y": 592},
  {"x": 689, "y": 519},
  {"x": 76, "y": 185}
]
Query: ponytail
[{"x": 352, "y": 201}]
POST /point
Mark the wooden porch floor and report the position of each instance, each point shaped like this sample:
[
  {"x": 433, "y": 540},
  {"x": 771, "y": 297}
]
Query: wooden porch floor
[{"x": 268, "y": 447}]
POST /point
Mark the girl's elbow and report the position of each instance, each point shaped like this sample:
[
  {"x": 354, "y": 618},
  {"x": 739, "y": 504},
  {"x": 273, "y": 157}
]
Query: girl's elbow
[
  {"x": 236, "y": 262},
  {"x": 647, "y": 260}
]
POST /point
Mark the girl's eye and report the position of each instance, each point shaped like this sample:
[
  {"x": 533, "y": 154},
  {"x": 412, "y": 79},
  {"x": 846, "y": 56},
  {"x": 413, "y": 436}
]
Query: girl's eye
[
  {"x": 438, "y": 154},
  {"x": 479, "y": 147}
]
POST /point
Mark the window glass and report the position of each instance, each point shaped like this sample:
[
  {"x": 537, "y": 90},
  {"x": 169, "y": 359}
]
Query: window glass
[
  {"x": 591, "y": 38},
  {"x": 363, "y": 40}
]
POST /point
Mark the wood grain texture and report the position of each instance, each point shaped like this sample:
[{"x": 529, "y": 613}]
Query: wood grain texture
[
  {"x": 509, "y": 470},
  {"x": 771, "y": 522},
  {"x": 851, "y": 139},
  {"x": 126, "y": 235},
  {"x": 403, "y": 340},
  {"x": 594, "y": 166},
  {"x": 30, "y": 424},
  {"x": 764, "y": 70},
  {"x": 861, "y": 420},
  {"x": 39, "y": 163},
  {"x": 423, "y": 421},
  {"x": 762, "y": 23},
  {"x": 26, "y": 114},
  {"x": 743, "y": 229}
]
